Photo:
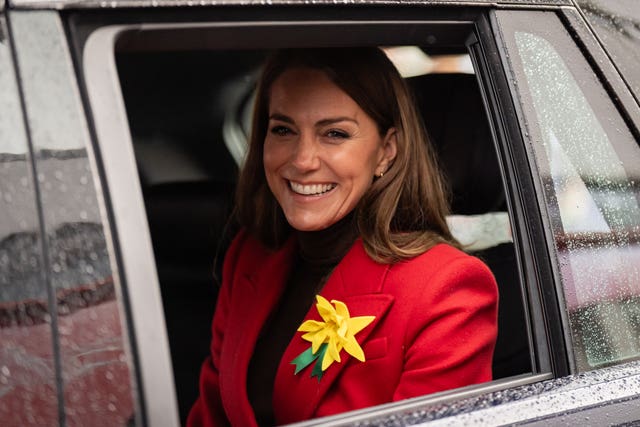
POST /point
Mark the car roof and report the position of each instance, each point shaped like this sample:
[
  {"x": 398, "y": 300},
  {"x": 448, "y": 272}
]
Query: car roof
[{"x": 110, "y": 4}]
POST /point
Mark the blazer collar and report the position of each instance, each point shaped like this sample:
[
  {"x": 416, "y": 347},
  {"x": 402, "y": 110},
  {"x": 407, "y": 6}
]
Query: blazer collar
[
  {"x": 258, "y": 293},
  {"x": 355, "y": 274},
  {"x": 357, "y": 281}
]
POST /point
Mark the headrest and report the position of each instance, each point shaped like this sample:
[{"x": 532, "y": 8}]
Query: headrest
[{"x": 457, "y": 124}]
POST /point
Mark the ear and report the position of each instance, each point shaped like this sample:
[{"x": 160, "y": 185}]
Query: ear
[{"x": 389, "y": 151}]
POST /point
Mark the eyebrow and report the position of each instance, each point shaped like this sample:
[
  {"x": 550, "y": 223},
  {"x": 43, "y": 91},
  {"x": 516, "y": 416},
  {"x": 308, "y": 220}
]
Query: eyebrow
[
  {"x": 281, "y": 117},
  {"x": 323, "y": 122},
  {"x": 333, "y": 120}
]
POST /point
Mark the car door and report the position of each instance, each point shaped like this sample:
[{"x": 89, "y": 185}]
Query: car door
[{"x": 110, "y": 111}]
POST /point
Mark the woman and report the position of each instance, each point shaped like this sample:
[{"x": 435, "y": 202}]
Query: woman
[{"x": 345, "y": 288}]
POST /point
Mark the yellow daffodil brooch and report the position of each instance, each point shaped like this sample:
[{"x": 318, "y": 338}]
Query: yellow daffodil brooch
[{"x": 328, "y": 338}]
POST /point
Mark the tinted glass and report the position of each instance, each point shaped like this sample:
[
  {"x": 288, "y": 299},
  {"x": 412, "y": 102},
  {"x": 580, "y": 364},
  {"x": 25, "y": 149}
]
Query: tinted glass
[
  {"x": 27, "y": 360},
  {"x": 589, "y": 166},
  {"x": 96, "y": 366},
  {"x": 617, "y": 24}
]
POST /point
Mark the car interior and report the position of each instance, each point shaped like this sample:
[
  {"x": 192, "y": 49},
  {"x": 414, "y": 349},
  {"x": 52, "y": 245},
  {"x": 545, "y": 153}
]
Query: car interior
[{"x": 188, "y": 112}]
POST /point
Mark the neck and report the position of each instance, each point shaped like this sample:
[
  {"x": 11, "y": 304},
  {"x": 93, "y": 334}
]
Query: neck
[{"x": 328, "y": 246}]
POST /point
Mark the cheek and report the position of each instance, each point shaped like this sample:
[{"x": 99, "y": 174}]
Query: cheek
[
  {"x": 271, "y": 157},
  {"x": 362, "y": 166}
]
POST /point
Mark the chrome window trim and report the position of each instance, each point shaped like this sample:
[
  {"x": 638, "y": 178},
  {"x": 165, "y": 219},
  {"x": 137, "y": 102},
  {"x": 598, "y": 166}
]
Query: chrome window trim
[
  {"x": 425, "y": 402},
  {"x": 114, "y": 4},
  {"x": 130, "y": 224},
  {"x": 566, "y": 396},
  {"x": 533, "y": 400}
]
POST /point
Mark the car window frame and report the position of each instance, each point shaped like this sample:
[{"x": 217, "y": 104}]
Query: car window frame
[
  {"x": 529, "y": 222},
  {"x": 606, "y": 74},
  {"x": 550, "y": 357},
  {"x": 147, "y": 325}
]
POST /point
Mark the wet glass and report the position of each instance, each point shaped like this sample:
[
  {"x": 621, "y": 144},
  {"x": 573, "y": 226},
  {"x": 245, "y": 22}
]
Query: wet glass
[
  {"x": 617, "y": 24},
  {"x": 97, "y": 385},
  {"x": 589, "y": 166},
  {"x": 27, "y": 360}
]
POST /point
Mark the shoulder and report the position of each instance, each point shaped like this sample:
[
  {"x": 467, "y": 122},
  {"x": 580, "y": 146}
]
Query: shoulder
[
  {"x": 441, "y": 257},
  {"x": 442, "y": 266}
]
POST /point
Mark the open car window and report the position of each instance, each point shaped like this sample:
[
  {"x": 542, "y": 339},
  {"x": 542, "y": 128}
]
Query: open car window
[{"x": 175, "y": 100}]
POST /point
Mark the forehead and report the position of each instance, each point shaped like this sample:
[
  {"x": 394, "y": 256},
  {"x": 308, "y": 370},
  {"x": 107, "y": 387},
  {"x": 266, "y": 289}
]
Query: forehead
[{"x": 303, "y": 87}]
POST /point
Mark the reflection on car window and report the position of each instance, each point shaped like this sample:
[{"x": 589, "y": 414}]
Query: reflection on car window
[
  {"x": 27, "y": 374},
  {"x": 617, "y": 23},
  {"x": 590, "y": 169},
  {"x": 95, "y": 376}
]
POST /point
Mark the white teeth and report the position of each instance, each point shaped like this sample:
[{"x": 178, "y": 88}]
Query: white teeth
[{"x": 309, "y": 190}]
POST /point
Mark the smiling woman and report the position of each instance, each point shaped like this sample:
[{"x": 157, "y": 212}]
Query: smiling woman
[
  {"x": 365, "y": 87},
  {"x": 341, "y": 202},
  {"x": 322, "y": 150}
]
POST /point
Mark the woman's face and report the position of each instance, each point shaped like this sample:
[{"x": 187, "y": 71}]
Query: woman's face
[{"x": 321, "y": 150}]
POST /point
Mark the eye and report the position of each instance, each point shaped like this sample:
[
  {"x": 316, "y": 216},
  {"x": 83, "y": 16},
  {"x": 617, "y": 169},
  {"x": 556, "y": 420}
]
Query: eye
[
  {"x": 337, "y": 134},
  {"x": 280, "y": 130}
]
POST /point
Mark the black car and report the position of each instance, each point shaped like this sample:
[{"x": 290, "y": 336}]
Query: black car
[{"x": 122, "y": 127}]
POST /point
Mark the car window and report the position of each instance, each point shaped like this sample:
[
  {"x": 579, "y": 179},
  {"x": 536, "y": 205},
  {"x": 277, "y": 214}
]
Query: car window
[
  {"x": 93, "y": 364},
  {"x": 617, "y": 24},
  {"x": 28, "y": 392},
  {"x": 188, "y": 113},
  {"x": 589, "y": 166}
]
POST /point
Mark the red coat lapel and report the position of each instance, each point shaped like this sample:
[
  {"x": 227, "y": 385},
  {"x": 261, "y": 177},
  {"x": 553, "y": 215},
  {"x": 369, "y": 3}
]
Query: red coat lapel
[
  {"x": 257, "y": 292},
  {"x": 356, "y": 281}
]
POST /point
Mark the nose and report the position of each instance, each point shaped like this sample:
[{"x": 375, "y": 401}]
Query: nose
[{"x": 305, "y": 157}]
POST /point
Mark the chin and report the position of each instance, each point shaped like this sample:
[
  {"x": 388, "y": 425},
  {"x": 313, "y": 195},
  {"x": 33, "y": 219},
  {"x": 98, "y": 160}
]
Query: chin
[
  {"x": 307, "y": 227},
  {"x": 302, "y": 225}
]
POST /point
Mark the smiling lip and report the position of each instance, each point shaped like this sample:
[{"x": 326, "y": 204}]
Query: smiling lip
[{"x": 311, "y": 189}]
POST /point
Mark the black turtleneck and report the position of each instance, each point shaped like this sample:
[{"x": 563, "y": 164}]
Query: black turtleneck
[{"x": 317, "y": 255}]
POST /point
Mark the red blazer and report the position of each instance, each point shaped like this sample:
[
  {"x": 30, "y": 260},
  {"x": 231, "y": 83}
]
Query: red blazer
[{"x": 434, "y": 329}]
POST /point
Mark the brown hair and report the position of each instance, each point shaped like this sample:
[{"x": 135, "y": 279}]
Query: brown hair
[{"x": 403, "y": 212}]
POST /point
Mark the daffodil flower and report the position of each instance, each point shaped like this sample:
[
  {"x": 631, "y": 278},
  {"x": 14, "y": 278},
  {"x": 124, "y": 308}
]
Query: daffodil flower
[{"x": 337, "y": 331}]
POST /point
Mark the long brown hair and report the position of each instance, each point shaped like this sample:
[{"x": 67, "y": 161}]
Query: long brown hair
[{"x": 403, "y": 212}]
